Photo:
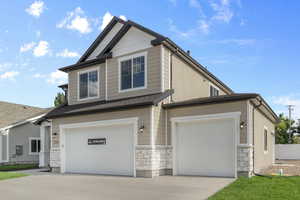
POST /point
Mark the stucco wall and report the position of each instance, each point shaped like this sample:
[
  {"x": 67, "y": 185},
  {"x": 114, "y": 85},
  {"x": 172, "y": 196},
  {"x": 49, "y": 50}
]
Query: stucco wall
[
  {"x": 20, "y": 135},
  {"x": 262, "y": 159}
]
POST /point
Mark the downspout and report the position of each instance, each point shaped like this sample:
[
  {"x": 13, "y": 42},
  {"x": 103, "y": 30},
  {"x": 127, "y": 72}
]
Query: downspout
[
  {"x": 171, "y": 70},
  {"x": 253, "y": 109}
]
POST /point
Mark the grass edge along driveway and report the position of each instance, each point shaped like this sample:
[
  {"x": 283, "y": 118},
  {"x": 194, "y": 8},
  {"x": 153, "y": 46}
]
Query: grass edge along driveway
[
  {"x": 9, "y": 175},
  {"x": 259, "y": 187}
]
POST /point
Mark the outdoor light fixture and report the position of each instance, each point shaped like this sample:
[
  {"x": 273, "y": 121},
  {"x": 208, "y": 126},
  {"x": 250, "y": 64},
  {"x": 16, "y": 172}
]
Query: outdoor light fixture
[
  {"x": 243, "y": 125},
  {"x": 141, "y": 129}
]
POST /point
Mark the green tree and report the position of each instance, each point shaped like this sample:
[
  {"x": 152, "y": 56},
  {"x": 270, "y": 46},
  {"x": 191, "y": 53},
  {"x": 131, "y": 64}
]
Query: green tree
[
  {"x": 282, "y": 128},
  {"x": 59, "y": 99}
]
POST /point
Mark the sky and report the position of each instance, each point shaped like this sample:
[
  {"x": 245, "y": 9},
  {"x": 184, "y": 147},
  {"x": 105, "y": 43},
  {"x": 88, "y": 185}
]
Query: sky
[{"x": 252, "y": 46}]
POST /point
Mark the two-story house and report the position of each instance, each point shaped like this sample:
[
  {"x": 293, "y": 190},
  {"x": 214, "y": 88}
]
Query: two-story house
[{"x": 139, "y": 105}]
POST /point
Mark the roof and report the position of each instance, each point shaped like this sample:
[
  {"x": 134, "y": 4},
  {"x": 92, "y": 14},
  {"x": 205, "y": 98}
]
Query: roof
[
  {"x": 222, "y": 99},
  {"x": 11, "y": 113},
  {"x": 107, "y": 106},
  {"x": 159, "y": 39}
]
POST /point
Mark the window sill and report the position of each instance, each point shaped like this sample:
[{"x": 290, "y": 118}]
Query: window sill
[
  {"x": 33, "y": 154},
  {"x": 88, "y": 98},
  {"x": 132, "y": 89}
]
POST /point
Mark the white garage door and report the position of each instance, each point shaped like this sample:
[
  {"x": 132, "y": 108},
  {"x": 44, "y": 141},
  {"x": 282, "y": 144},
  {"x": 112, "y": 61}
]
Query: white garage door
[
  {"x": 100, "y": 150},
  {"x": 205, "y": 148}
]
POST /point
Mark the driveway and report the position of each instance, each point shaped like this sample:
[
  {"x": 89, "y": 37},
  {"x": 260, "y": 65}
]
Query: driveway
[{"x": 85, "y": 187}]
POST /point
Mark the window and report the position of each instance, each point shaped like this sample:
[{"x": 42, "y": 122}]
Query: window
[
  {"x": 214, "y": 91},
  {"x": 132, "y": 73},
  {"x": 34, "y": 145},
  {"x": 88, "y": 84},
  {"x": 266, "y": 139}
]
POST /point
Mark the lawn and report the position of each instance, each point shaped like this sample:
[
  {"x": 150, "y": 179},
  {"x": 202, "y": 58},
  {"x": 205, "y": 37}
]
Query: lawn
[
  {"x": 18, "y": 167},
  {"x": 8, "y": 175},
  {"x": 261, "y": 188}
]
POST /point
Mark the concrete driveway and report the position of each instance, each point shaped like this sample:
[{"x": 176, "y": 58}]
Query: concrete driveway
[{"x": 85, "y": 187}]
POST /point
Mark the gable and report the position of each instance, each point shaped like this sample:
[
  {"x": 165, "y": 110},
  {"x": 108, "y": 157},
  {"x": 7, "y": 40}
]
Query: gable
[
  {"x": 105, "y": 41},
  {"x": 133, "y": 40}
]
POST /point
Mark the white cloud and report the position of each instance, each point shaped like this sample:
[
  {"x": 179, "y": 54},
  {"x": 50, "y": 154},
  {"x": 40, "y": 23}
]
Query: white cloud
[
  {"x": 283, "y": 101},
  {"x": 38, "y": 34},
  {"x": 194, "y": 3},
  {"x": 76, "y": 20},
  {"x": 107, "y": 17},
  {"x": 204, "y": 26},
  {"x": 9, "y": 75},
  {"x": 223, "y": 11},
  {"x": 36, "y": 9},
  {"x": 240, "y": 42},
  {"x": 4, "y": 66},
  {"x": 27, "y": 47},
  {"x": 38, "y": 75},
  {"x": 41, "y": 49},
  {"x": 57, "y": 78},
  {"x": 174, "y": 2},
  {"x": 180, "y": 33},
  {"x": 67, "y": 54}
]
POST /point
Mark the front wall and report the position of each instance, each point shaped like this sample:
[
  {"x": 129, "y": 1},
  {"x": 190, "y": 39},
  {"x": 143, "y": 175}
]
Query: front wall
[
  {"x": 262, "y": 159},
  {"x": 20, "y": 136},
  {"x": 240, "y": 106},
  {"x": 73, "y": 85},
  {"x": 143, "y": 114}
]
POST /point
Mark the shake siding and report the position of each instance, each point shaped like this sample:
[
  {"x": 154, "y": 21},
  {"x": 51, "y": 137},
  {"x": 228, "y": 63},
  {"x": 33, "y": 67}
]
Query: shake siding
[
  {"x": 73, "y": 85},
  {"x": 240, "y": 106},
  {"x": 143, "y": 115},
  {"x": 153, "y": 75}
]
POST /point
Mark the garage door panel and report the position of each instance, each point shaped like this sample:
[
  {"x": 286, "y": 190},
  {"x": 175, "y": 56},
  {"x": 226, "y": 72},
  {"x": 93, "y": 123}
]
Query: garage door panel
[
  {"x": 205, "y": 148},
  {"x": 115, "y": 157}
]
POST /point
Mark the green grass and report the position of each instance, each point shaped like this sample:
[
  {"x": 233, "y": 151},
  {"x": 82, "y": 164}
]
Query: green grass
[
  {"x": 261, "y": 188},
  {"x": 18, "y": 167},
  {"x": 8, "y": 175}
]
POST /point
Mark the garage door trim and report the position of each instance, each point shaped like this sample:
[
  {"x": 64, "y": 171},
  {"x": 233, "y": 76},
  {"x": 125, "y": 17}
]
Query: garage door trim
[
  {"x": 194, "y": 118},
  {"x": 133, "y": 121}
]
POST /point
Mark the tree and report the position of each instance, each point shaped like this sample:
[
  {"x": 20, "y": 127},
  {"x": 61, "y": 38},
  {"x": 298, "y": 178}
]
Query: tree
[
  {"x": 282, "y": 128},
  {"x": 59, "y": 99}
]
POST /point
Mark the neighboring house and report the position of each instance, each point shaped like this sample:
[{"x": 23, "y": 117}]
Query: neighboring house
[
  {"x": 19, "y": 137},
  {"x": 138, "y": 105}
]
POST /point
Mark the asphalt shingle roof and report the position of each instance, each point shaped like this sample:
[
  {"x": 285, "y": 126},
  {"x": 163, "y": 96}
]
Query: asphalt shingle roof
[{"x": 11, "y": 113}]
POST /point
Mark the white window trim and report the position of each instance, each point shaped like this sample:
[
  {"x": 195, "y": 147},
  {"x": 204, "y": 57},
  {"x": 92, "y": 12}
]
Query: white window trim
[
  {"x": 78, "y": 83},
  {"x": 30, "y": 139},
  {"x": 146, "y": 69},
  {"x": 266, "y": 129},
  {"x": 213, "y": 85}
]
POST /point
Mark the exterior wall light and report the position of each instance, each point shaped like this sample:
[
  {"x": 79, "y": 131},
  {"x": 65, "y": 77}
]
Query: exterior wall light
[
  {"x": 141, "y": 129},
  {"x": 243, "y": 125}
]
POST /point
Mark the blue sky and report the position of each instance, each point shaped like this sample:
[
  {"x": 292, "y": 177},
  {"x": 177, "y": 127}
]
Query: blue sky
[{"x": 253, "y": 46}]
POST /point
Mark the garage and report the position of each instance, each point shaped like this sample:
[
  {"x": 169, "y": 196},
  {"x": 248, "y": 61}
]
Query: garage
[
  {"x": 105, "y": 147},
  {"x": 205, "y": 145}
]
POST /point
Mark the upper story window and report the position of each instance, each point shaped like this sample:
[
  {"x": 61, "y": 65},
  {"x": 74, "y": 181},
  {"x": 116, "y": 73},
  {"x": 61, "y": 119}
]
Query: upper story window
[
  {"x": 214, "y": 91},
  {"x": 265, "y": 140},
  {"x": 132, "y": 72},
  {"x": 88, "y": 84}
]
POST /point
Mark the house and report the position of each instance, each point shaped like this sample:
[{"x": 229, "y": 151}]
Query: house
[
  {"x": 19, "y": 137},
  {"x": 139, "y": 105}
]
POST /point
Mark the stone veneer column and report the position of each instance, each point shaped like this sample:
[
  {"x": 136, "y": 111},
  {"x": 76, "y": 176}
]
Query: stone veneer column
[
  {"x": 153, "y": 161},
  {"x": 245, "y": 160}
]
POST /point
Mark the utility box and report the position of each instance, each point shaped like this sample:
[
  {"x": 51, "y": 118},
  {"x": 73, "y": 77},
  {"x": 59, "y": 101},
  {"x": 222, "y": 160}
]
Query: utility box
[{"x": 19, "y": 150}]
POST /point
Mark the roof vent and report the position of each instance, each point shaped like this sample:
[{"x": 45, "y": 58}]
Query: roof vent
[{"x": 188, "y": 52}]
